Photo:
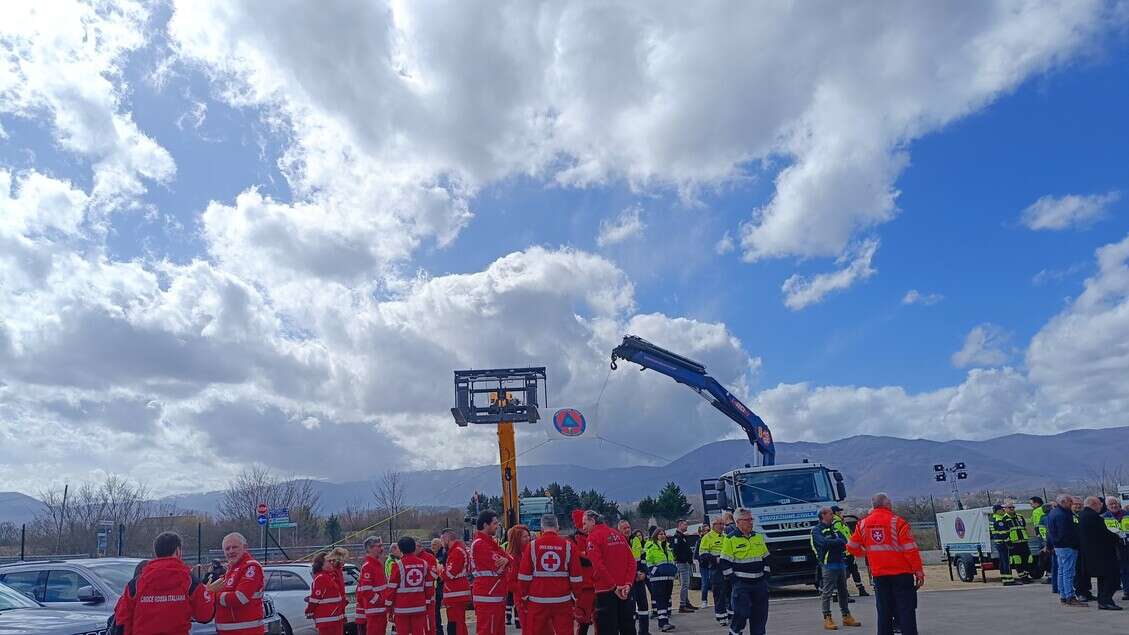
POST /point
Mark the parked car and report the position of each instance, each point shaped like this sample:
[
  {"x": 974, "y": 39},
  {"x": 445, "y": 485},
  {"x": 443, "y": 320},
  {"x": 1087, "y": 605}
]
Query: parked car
[
  {"x": 289, "y": 585},
  {"x": 20, "y": 614},
  {"x": 93, "y": 586}
]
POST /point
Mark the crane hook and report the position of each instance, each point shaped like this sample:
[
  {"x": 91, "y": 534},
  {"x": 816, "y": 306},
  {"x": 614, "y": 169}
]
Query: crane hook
[{"x": 613, "y": 362}]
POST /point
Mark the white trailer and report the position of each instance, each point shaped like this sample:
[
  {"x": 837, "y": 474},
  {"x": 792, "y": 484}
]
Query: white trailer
[{"x": 966, "y": 540}]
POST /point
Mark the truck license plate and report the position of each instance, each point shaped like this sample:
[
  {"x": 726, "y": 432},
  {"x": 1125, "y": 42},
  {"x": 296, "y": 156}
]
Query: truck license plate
[{"x": 799, "y": 558}]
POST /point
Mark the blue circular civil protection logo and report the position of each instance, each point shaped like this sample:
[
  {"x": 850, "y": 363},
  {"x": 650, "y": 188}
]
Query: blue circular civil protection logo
[{"x": 569, "y": 422}]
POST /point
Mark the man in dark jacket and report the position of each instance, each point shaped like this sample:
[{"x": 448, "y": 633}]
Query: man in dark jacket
[
  {"x": 830, "y": 547},
  {"x": 1063, "y": 534},
  {"x": 1099, "y": 551},
  {"x": 682, "y": 545}
]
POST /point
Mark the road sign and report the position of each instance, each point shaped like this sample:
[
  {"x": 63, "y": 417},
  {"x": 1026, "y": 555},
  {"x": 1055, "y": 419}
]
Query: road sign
[
  {"x": 282, "y": 525},
  {"x": 262, "y": 519},
  {"x": 262, "y": 509},
  {"x": 282, "y": 514}
]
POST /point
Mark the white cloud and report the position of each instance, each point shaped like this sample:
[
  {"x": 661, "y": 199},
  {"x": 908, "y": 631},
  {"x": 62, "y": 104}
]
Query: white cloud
[
  {"x": 725, "y": 245},
  {"x": 984, "y": 345},
  {"x": 1047, "y": 276},
  {"x": 628, "y": 224},
  {"x": 64, "y": 59},
  {"x": 800, "y": 292},
  {"x": 1075, "y": 370},
  {"x": 913, "y": 296},
  {"x": 585, "y": 94},
  {"x": 1072, "y": 210}
]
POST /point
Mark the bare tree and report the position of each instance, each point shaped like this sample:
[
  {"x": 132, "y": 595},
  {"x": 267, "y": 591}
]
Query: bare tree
[
  {"x": 258, "y": 484},
  {"x": 389, "y": 495},
  {"x": 1103, "y": 480}
]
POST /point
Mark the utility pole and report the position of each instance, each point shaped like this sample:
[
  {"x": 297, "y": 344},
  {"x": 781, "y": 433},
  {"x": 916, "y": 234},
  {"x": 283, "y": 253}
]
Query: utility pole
[{"x": 62, "y": 516}]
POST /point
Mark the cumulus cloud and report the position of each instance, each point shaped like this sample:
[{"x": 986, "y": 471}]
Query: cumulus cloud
[
  {"x": 801, "y": 292},
  {"x": 1074, "y": 377},
  {"x": 984, "y": 345},
  {"x": 724, "y": 245},
  {"x": 64, "y": 60},
  {"x": 1064, "y": 212},
  {"x": 586, "y": 94},
  {"x": 913, "y": 296},
  {"x": 628, "y": 224}
]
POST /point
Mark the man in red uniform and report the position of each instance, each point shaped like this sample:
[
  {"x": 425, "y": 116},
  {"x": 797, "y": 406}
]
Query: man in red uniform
[
  {"x": 166, "y": 597},
  {"x": 895, "y": 563},
  {"x": 371, "y": 616},
  {"x": 432, "y": 577},
  {"x": 585, "y": 609},
  {"x": 613, "y": 573},
  {"x": 239, "y": 602},
  {"x": 488, "y": 564},
  {"x": 456, "y": 583},
  {"x": 408, "y": 590},
  {"x": 548, "y": 577}
]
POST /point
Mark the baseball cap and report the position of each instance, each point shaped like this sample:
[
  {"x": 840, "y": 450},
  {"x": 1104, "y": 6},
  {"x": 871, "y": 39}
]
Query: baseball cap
[
  {"x": 997, "y": 507},
  {"x": 836, "y": 508}
]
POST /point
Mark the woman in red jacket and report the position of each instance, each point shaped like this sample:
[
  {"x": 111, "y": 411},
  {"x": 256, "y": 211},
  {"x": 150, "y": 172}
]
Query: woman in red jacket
[
  {"x": 517, "y": 539},
  {"x": 327, "y": 601}
]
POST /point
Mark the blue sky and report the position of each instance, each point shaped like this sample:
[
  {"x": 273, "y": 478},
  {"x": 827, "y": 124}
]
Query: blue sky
[{"x": 316, "y": 222}]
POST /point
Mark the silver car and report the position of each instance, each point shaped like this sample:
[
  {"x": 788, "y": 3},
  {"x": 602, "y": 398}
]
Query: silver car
[
  {"x": 21, "y": 614},
  {"x": 289, "y": 586},
  {"x": 91, "y": 585}
]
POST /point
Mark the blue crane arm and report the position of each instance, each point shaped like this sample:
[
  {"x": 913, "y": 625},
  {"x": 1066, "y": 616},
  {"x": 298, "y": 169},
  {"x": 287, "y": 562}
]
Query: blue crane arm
[{"x": 687, "y": 371}]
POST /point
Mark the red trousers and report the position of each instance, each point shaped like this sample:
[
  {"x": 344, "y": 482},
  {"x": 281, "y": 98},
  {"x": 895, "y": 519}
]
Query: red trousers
[
  {"x": 548, "y": 619},
  {"x": 334, "y": 628},
  {"x": 375, "y": 624},
  {"x": 585, "y": 609},
  {"x": 457, "y": 615},
  {"x": 489, "y": 617},
  {"x": 411, "y": 624},
  {"x": 429, "y": 625}
]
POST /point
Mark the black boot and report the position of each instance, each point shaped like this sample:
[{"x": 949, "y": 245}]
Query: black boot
[{"x": 862, "y": 591}]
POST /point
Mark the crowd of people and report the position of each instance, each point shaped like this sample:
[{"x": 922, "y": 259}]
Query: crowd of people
[
  {"x": 1083, "y": 539},
  {"x": 618, "y": 579}
]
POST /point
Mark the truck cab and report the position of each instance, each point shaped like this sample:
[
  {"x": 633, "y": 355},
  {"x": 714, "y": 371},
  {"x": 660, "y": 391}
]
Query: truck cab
[
  {"x": 785, "y": 501},
  {"x": 532, "y": 508}
]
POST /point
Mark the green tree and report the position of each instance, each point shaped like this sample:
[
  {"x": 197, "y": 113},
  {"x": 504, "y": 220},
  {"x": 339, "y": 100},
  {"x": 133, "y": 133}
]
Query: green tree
[
  {"x": 594, "y": 500},
  {"x": 672, "y": 503},
  {"x": 483, "y": 503},
  {"x": 647, "y": 508},
  {"x": 333, "y": 528}
]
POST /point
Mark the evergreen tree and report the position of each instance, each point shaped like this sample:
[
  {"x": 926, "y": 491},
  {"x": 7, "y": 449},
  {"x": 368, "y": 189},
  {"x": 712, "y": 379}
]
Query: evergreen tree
[
  {"x": 333, "y": 528},
  {"x": 647, "y": 508},
  {"x": 672, "y": 503},
  {"x": 484, "y": 503}
]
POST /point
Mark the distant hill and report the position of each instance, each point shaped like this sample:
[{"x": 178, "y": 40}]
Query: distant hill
[
  {"x": 17, "y": 508},
  {"x": 1016, "y": 464}
]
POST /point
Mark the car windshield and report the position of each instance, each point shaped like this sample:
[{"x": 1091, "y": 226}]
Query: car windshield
[
  {"x": 13, "y": 599},
  {"x": 114, "y": 574},
  {"x": 760, "y": 489}
]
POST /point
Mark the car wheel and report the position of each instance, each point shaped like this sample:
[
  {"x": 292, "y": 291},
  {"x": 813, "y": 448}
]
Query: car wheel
[{"x": 286, "y": 630}]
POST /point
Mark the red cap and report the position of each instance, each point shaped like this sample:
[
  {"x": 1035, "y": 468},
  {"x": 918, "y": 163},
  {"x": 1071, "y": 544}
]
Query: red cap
[{"x": 578, "y": 518}]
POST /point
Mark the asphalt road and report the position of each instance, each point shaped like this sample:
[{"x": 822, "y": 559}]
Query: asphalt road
[{"x": 975, "y": 609}]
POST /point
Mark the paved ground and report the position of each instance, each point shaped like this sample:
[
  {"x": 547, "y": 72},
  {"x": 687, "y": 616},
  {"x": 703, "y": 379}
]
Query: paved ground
[{"x": 974, "y": 609}]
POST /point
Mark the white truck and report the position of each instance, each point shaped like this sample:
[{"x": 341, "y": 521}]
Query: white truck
[
  {"x": 966, "y": 540},
  {"x": 785, "y": 501}
]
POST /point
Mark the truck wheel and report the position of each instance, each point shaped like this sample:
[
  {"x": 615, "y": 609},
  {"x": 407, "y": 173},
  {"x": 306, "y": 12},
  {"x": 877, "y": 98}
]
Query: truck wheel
[{"x": 966, "y": 569}]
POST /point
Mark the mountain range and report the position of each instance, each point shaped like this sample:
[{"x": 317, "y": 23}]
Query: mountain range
[{"x": 1018, "y": 464}]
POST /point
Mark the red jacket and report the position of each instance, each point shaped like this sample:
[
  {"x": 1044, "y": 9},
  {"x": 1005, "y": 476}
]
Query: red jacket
[
  {"x": 327, "y": 601},
  {"x": 887, "y": 542},
  {"x": 613, "y": 564},
  {"x": 239, "y": 606},
  {"x": 456, "y": 583},
  {"x": 550, "y": 570},
  {"x": 432, "y": 572},
  {"x": 370, "y": 590},
  {"x": 164, "y": 600},
  {"x": 489, "y": 581},
  {"x": 580, "y": 543},
  {"x": 407, "y": 590}
]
